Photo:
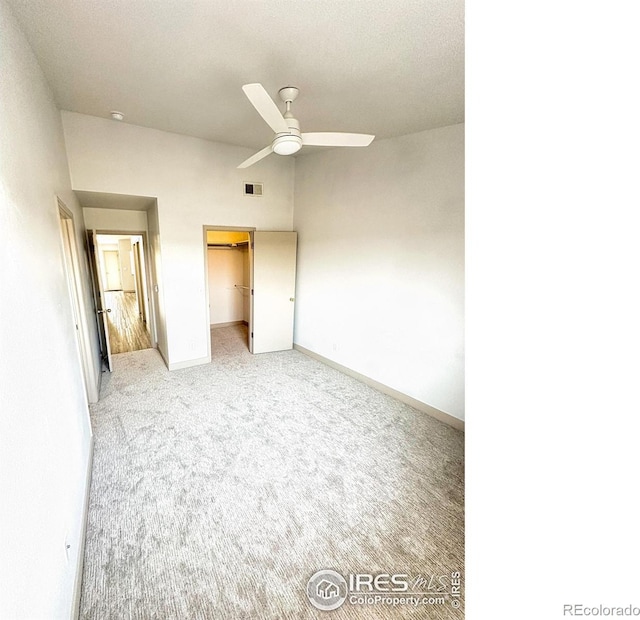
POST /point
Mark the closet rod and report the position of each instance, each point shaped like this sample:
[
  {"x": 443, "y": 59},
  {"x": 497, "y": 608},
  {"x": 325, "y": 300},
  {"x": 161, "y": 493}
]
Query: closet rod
[{"x": 227, "y": 245}]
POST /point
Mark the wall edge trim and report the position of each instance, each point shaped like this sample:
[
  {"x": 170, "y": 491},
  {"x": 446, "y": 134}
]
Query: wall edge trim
[
  {"x": 77, "y": 586},
  {"x": 163, "y": 356},
  {"x": 189, "y": 363}
]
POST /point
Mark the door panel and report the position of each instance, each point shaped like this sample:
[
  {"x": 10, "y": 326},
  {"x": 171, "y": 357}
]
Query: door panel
[
  {"x": 98, "y": 296},
  {"x": 274, "y": 283},
  {"x": 112, "y": 270}
]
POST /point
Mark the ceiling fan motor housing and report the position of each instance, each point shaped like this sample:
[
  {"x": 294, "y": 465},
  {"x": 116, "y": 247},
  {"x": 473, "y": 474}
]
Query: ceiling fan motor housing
[
  {"x": 290, "y": 142},
  {"x": 287, "y": 143},
  {"x": 288, "y": 93}
]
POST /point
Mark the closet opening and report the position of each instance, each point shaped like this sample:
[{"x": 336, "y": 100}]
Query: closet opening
[{"x": 229, "y": 285}]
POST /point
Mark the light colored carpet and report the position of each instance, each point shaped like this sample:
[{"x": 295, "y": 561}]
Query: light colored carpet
[{"x": 219, "y": 490}]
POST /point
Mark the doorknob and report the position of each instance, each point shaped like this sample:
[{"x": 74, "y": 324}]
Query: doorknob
[{"x": 103, "y": 311}]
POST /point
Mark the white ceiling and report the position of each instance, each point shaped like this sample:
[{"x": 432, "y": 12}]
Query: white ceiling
[{"x": 387, "y": 67}]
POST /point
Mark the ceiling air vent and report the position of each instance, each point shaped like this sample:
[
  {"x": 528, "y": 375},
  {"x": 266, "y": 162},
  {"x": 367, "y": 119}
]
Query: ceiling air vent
[{"x": 253, "y": 189}]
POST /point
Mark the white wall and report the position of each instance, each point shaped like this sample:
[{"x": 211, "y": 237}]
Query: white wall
[
  {"x": 120, "y": 220},
  {"x": 126, "y": 262},
  {"x": 196, "y": 183},
  {"x": 45, "y": 433},
  {"x": 111, "y": 280},
  {"x": 380, "y": 285},
  {"x": 156, "y": 281},
  {"x": 226, "y": 269}
]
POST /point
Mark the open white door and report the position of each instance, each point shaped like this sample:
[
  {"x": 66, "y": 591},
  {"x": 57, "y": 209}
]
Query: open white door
[
  {"x": 274, "y": 285},
  {"x": 98, "y": 297}
]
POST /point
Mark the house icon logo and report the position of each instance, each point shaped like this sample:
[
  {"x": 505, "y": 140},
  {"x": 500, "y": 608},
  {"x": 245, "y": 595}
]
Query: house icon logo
[{"x": 326, "y": 590}]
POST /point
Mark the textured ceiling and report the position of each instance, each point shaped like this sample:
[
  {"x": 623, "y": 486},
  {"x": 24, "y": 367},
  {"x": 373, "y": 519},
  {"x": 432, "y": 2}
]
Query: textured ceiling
[{"x": 373, "y": 66}]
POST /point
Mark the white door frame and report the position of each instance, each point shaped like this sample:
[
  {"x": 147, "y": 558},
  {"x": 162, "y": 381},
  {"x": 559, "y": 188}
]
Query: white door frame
[
  {"x": 76, "y": 295},
  {"x": 138, "y": 262},
  {"x": 246, "y": 229}
]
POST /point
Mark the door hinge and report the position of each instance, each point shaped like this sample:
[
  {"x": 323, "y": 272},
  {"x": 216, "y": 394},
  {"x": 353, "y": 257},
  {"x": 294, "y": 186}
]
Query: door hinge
[
  {"x": 252, "y": 334},
  {"x": 252, "y": 291}
]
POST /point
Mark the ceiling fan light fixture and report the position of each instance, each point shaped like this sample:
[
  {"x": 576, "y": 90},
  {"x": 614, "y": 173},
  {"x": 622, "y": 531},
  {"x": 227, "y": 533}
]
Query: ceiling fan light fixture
[
  {"x": 288, "y": 138},
  {"x": 287, "y": 145}
]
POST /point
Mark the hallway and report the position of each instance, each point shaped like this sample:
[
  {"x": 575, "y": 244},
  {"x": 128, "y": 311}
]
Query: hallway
[{"x": 127, "y": 332}]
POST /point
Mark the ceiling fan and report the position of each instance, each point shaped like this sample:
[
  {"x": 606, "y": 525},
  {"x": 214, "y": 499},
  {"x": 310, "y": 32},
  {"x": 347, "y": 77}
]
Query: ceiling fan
[{"x": 288, "y": 139}]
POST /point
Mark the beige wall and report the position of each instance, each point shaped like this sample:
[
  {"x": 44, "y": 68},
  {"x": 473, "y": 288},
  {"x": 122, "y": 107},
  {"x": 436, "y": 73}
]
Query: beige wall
[
  {"x": 157, "y": 287},
  {"x": 380, "y": 285},
  {"x": 124, "y": 252},
  {"x": 196, "y": 183},
  {"x": 225, "y": 270},
  {"x": 45, "y": 431},
  {"x": 120, "y": 220}
]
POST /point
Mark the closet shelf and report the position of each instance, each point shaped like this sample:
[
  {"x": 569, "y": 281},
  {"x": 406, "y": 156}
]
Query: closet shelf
[{"x": 235, "y": 244}]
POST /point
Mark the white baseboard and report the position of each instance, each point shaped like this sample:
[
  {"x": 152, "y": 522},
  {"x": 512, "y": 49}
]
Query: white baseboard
[
  {"x": 189, "y": 363},
  {"x": 450, "y": 420},
  {"x": 186, "y": 364},
  {"x": 229, "y": 324},
  {"x": 164, "y": 359},
  {"x": 77, "y": 587},
  {"x": 99, "y": 387}
]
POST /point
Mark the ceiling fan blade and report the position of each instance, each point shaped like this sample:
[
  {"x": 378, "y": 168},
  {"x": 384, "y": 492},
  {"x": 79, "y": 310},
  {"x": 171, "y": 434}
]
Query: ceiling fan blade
[
  {"x": 267, "y": 150},
  {"x": 329, "y": 138},
  {"x": 266, "y": 107}
]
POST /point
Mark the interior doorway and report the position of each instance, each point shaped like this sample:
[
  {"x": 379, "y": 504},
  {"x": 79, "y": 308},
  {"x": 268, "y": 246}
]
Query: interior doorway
[
  {"x": 122, "y": 266},
  {"x": 260, "y": 294},
  {"x": 229, "y": 281}
]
